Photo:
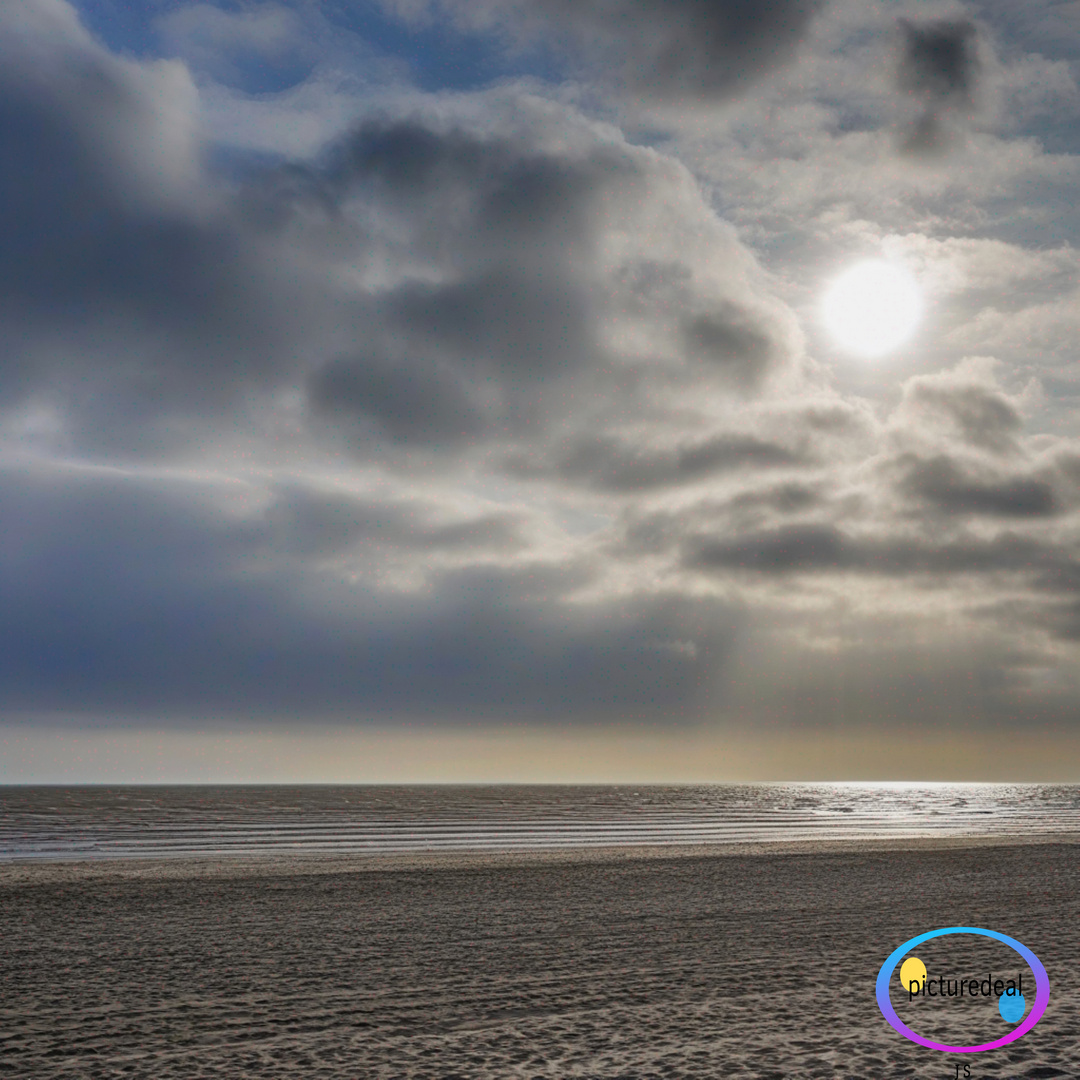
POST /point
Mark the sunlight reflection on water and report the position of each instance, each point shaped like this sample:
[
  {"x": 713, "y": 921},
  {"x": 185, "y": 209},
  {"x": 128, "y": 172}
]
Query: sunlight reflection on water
[{"x": 100, "y": 822}]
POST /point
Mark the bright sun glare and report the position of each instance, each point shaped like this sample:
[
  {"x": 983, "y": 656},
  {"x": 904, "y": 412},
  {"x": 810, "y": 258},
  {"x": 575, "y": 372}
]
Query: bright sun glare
[{"x": 872, "y": 308}]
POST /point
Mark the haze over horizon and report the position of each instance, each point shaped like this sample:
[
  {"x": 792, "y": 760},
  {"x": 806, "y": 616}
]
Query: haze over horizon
[{"x": 431, "y": 390}]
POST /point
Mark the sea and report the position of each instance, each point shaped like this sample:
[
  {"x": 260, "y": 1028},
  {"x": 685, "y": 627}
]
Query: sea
[{"x": 131, "y": 822}]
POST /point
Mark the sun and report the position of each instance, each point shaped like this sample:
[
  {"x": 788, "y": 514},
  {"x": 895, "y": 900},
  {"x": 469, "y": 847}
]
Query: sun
[{"x": 872, "y": 308}]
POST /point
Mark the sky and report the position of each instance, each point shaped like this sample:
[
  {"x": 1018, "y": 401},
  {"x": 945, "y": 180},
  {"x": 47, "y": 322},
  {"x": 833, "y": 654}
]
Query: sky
[{"x": 444, "y": 390}]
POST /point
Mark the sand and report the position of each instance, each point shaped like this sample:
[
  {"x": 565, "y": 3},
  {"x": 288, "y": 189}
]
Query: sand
[{"x": 634, "y": 964}]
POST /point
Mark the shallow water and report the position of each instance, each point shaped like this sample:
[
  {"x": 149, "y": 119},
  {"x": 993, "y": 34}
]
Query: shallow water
[{"x": 128, "y": 822}]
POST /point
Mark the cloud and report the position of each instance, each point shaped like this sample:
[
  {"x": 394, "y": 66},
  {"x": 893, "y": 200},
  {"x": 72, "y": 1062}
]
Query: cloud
[
  {"x": 241, "y": 48},
  {"x": 794, "y": 547},
  {"x": 669, "y": 51},
  {"x": 689, "y": 50},
  {"x": 472, "y": 407},
  {"x": 651, "y": 532},
  {"x": 431, "y": 278},
  {"x": 408, "y": 403},
  {"x": 939, "y": 67},
  {"x": 948, "y": 487},
  {"x": 616, "y": 465},
  {"x": 939, "y": 62},
  {"x": 729, "y": 337},
  {"x": 524, "y": 267},
  {"x": 122, "y": 594},
  {"x": 121, "y": 284},
  {"x": 823, "y": 548},
  {"x": 308, "y": 523},
  {"x": 965, "y": 403},
  {"x": 123, "y": 126}
]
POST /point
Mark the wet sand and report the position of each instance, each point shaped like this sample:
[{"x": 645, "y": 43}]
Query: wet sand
[{"x": 631, "y": 963}]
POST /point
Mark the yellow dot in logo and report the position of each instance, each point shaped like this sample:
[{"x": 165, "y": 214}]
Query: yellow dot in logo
[{"x": 912, "y": 970}]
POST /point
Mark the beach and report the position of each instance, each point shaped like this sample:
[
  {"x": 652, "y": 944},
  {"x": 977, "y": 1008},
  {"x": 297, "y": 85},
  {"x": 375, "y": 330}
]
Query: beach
[{"x": 607, "y": 963}]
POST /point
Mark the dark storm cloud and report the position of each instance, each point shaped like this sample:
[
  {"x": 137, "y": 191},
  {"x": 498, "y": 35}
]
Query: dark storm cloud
[
  {"x": 951, "y": 490},
  {"x": 119, "y": 595},
  {"x": 939, "y": 67},
  {"x": 607, "y": 463}
]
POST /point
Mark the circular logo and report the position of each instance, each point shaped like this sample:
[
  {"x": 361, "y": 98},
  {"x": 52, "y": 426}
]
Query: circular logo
[{"x": 1015, "y": 1007}]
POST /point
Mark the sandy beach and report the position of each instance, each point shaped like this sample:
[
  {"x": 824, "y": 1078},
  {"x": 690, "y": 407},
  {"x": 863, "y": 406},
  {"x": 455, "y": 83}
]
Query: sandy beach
[{"x": 633, "y": 963}]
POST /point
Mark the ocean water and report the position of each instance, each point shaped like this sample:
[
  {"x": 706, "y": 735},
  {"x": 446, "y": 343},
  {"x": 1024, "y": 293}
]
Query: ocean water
[{"x": 133, "y": 822}]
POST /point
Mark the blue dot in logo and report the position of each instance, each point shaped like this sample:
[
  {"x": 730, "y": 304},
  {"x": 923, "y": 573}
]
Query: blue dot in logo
[{"x": 1011, "y": 1006}]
